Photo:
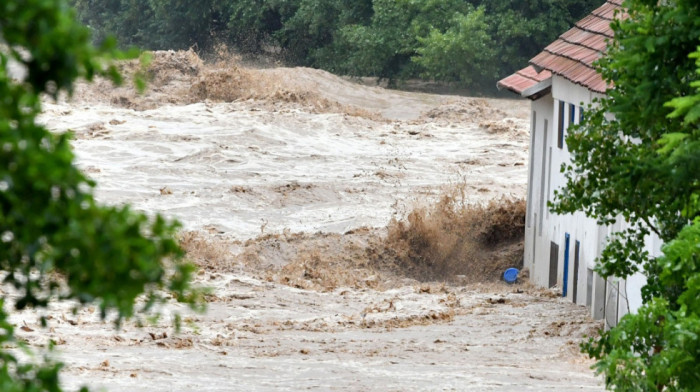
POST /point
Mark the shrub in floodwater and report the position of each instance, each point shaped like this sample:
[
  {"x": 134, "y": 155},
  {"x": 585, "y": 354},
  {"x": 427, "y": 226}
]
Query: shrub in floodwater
[{"x": 453, "y": 238}]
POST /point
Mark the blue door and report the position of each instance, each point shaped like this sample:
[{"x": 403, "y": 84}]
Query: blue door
[{"x": 566, "y": 265}]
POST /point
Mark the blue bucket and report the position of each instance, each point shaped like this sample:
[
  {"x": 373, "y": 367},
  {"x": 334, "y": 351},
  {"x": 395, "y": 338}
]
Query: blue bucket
[{"x": 511, "y": 275}]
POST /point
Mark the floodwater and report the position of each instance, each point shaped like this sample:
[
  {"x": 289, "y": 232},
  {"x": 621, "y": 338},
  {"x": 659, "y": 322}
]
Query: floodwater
[{"x": 291, "y": 158}]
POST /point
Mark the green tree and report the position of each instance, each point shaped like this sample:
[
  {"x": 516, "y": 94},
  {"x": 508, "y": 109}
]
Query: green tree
[
  {"x": 392, "y": 39},
  {"x": 386, "y": 45},
  {"x": 643, "y": 167},
  {"x": 156, "y": 24},
  {"x": 56, "y": 242},
  {"x": 307, "y": 36},
  {"x": 447, "y": 40},
  {"x": 252, "y": 24},
  {"x": 521, "y": 29},
  {"x": 179, "y": 24},
  {"x": 128, "y": 20},
  {"x": 464, "y": 53}
]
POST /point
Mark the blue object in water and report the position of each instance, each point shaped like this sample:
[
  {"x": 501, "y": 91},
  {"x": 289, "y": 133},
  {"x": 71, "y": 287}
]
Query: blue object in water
[{"x": 511, "y": 275}]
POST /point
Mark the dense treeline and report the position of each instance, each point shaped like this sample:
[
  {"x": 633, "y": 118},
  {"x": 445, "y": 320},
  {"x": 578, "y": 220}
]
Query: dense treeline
[{"x": 470, "y": 42}]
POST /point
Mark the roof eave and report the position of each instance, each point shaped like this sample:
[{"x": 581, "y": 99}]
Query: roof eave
[
  {"x": 537, "y": 88},
  {"x": 537, "y": 68}
]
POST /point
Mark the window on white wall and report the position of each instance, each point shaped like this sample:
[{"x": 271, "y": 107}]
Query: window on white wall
[
  {"x": 532, "y": 168},
  {"x": 542, "y": 178},
  {"x": 560, "y": 128},
  {"x": 589, "y": 287},
  {"x": 580, "y": 114},
  {"x": 572, "y": 113},
  {"x": 549, "y": 178}
]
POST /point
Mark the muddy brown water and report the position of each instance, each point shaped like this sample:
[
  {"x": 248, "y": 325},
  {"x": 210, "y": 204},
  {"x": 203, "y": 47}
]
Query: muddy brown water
[{"x": 301, "y": 152}]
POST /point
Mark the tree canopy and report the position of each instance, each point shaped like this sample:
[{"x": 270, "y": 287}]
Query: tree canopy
[
  {"x": 636, "y": 157},
  {"x": 56, "y": 242},
  {"x": 467, "y": 42}
]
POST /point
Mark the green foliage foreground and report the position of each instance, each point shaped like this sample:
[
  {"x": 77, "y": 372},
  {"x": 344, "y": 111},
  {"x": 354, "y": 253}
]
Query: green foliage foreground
[
  {"x": 56, "y": 242},
  {"x": 643, "y": 167}
]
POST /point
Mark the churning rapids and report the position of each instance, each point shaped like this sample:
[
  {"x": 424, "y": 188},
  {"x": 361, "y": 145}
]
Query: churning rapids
[{"x": 272, "y": 168}]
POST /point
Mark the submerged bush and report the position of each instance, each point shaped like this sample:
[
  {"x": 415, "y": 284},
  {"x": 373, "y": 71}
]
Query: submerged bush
[{"x": 452, "y": 238}]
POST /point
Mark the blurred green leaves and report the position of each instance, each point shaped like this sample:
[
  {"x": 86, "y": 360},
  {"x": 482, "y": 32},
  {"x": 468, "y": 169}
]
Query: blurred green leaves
[
  {"x": 636, "y": 158},
  {"x": 56, "y": 242}
]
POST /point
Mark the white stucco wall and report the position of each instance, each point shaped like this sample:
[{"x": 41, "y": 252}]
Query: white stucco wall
[
  {"x": 536, "y": 223},
  {"x": 607, "y": 299},
  {"x": 579, "y": 228}
]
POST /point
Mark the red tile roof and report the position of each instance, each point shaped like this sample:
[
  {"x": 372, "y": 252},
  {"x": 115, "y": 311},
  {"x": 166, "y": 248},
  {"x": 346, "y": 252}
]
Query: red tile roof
[
  {"x": 573, "y": 53},
  {"x": 523, "y": 81}
]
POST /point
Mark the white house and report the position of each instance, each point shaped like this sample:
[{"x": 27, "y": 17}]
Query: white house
[{"x": 560, "y": 250}]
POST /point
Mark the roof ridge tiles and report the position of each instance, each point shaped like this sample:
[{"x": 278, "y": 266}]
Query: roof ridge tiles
[
  {"x": 580, "y": 44},
  {"x": 590, "y": 66},
  {"x": 596, "y": 25},
  {"x": 596, "y": 32},
  {"x": 606, "y": 11},
  {"x": 572, "y": 55},
  {"x": 589, "y": 39},
  {"x": 601, "y": 16},
  {"x": 527, "y": 77}
]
